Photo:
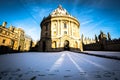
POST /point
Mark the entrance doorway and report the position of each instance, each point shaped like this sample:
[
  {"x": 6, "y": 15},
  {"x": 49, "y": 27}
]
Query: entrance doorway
[
  {"x": 43, "y": 46},
  {"x": 66, "y": 45}
]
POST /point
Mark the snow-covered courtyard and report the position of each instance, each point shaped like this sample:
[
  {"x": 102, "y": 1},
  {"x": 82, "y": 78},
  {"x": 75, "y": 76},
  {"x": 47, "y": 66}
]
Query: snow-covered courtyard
[{"x": 57, "y": 66}]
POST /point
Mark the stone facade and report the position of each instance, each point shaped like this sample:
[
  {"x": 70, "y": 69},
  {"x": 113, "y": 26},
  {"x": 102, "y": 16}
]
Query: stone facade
[
  {"x": 27, "y": 43},
  {"x": 60, "y": 31},
  {"x": 8, "y": 37},
  {"x": 86, "y": 40},
  {"x": 104, "y": 42},
  {"x": 14, "y": 38}
]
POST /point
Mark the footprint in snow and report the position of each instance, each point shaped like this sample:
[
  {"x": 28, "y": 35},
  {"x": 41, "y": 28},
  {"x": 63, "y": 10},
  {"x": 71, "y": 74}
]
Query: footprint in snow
[
  {"x": 97, "y": 76},
  {"x": 56, "y": 70},
  {"x": 82, "y": 73},
  {"x": 18, "y": 70},
  {"x": 108, "y": 74},
  {"x": 20, "y": 75},
  {"x": 51, "y": 74},
  {"x": 41, "y": 74},
  {"x": 68, "y": 70},
  {"x": 33, "y": 78},
  {"x": 66, "y": 76}
]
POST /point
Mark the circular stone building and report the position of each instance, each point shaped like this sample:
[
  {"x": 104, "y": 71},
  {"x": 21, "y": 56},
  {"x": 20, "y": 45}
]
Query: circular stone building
[{"x": 60, "y": 31}]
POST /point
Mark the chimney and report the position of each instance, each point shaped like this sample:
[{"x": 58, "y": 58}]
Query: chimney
[
  {"x": 11, "y": 27},
  {"x": 4, "y": 24}
]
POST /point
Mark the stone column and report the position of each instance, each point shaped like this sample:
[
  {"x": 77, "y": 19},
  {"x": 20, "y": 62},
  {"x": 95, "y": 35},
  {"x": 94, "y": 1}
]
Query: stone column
[
  {"x": 58, "y": 27},
  {"x": 69, "y": 28}
]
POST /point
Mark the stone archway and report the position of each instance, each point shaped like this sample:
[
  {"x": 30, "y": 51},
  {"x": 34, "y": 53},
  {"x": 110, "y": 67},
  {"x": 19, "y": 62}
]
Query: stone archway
[{"x": 66, "y": 45}]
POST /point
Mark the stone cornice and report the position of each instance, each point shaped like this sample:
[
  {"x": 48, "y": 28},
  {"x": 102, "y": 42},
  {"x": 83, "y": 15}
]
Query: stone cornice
[{"x": 67, "y": 18}]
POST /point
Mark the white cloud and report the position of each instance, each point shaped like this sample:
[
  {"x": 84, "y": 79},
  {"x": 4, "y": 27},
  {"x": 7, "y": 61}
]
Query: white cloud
[
  {"x": 38, "y": 13},
  {"x": 86, "y": 22}
]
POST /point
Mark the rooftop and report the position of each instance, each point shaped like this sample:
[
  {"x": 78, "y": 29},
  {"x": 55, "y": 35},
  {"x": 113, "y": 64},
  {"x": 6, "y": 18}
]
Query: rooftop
[{"x": 59, "y": 11}]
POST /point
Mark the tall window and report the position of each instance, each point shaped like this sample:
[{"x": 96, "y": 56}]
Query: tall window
[
  {"x": 12, "y": 42},
  {"x": 65, "y": 32},
  {"x": 3, "y": 41},
  {"x": 55, "y": 26},
  {"x": 65, "y": 25}
]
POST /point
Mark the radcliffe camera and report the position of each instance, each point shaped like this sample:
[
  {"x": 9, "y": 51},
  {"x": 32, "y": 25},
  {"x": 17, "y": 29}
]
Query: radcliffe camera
[{"x": 59, "y": 40}]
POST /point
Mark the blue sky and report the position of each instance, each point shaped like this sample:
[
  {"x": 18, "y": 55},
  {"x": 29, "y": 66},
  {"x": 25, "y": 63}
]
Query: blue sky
[{"x": 93, "y": 15}]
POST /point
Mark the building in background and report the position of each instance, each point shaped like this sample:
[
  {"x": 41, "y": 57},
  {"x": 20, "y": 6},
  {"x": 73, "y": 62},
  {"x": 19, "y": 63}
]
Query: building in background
[
  {"x": 86, "y": 40},
  {"x": 13, "y": 39},
  {"x": 21, "y": 39},
  {"x": 60, "y": 31},
  {"x": 7, "y": 37},
  {"x": 27, "y": 43},
  {"x": 103, "y": 42}
]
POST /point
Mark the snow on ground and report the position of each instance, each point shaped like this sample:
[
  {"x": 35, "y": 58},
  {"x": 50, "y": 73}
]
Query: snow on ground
[
  {"x": 57, "y": 66},
  {"x": 106, "y": 53}
]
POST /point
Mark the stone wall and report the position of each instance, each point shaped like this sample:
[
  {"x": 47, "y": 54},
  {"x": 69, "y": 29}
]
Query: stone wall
[{"x": 111, "y": 45}]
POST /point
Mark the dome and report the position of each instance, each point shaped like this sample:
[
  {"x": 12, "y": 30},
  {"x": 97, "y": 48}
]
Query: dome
[{"x": 59, "y": 11}]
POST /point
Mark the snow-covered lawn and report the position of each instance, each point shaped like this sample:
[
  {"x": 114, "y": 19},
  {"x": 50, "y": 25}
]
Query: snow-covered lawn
[{"x": 57, "y": 66}]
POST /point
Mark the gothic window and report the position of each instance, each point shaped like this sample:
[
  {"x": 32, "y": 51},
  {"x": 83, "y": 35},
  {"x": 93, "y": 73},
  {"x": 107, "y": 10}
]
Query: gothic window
[{"x": 65, "y": 25}]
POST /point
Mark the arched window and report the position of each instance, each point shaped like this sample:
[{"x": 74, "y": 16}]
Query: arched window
[
  {"x": 55, "y": 26},
  {"x": 54, "y": 44},
  {"x": 65, "y": 25},
  {"x": 65, "y": 32}
]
